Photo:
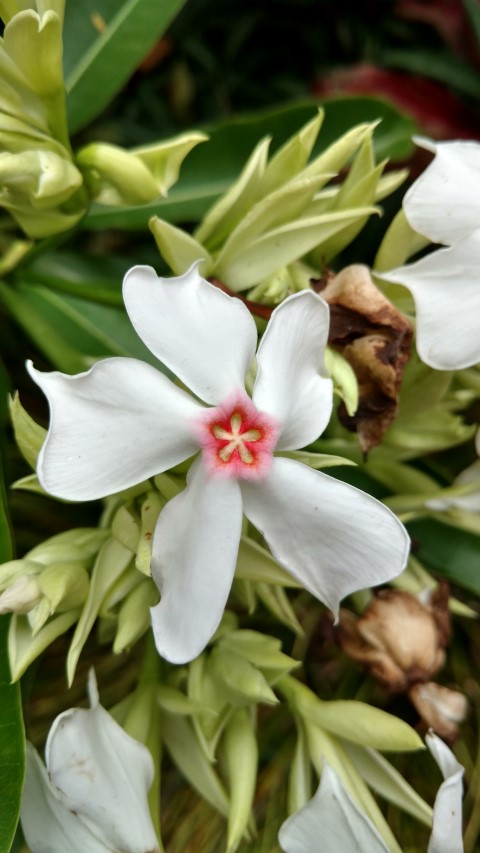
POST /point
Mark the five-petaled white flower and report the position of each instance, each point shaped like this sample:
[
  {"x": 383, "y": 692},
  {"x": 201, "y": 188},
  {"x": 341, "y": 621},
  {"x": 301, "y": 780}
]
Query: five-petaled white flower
[
  {"x": 124, "y": 421},
  {"x": 444, "y": 205}
]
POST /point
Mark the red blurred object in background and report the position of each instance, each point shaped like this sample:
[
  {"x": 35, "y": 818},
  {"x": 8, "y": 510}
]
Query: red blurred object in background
[{"x": 436, "y": 110}]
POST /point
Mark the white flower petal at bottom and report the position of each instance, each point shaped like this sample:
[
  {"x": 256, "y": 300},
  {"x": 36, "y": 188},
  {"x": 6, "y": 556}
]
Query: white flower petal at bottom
[
  {"x": 103, "y": 775},
  {"x": 333, "y": 538},
  {"x": 47, "y": 825},
  {"x": 290, "y": 362},
  {"x": 446, "y": 289},
  {"x": 330, "y": 823},
  {"x": 193, "y": 562},
  {"x": 112, "y": 427},
  {"x": 446, "y": 834}
]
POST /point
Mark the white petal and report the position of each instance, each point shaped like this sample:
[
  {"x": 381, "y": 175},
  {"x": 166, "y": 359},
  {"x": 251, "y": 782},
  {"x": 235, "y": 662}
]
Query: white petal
[
  {"x": 333, "y": 538},
  {"x": 446, "y": 834},
  {"x": 103, "y": 775},
  {"x": 112, "y": 427},
  {"x": 331, "y": 823},
  {"x": 446, "y": 289},
  {"x": 194, "y": 556},
  {"x": 444, "y": 203},
  {"x": 47, "y": 825},
  {"x": 207, "y": 338},
  {"x": 290, "y": 360}
]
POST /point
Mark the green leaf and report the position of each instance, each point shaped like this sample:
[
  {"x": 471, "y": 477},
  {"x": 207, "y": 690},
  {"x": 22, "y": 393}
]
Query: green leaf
[
  {"x": 437, "y": 64},
  {"x": 212, "y": 168},
  {"x": 104, "y": 42},
  {"x": 454, "y": 554},
  {"x": 112, "y": 561},
  {"x": 12, "y": 737},
  {"x": 240, "y": 753},
  {"x": 70, "y": 331},
  {"x": 388, "y": 782},
  {"x": 363, "y": 724},
  {"x": 182, "y": 744}
]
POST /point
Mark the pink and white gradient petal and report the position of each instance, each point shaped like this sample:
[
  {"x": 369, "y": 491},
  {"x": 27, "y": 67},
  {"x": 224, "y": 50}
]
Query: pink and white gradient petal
[
  {"x": 112, "y": 427},
  {"x": 194, "y": 555},
  {"x": 333, "y": 538},
  {"x": 446, "y": 289},
  {"x": 237, "y": 440},
  {"x": 444, "y": 202},
  {"x": 290, "y": 382},
  {"x": 205, "y": 337}
]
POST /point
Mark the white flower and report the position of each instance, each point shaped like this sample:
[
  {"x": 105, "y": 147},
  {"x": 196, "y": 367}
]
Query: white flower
[
  {"x": 92, "y": 795},
  {"x": 444, "y": 205},
  {"x": 446, "y": 834},
  {"x": 123, "y": 421},
  {"x": 332, "y": 822}
]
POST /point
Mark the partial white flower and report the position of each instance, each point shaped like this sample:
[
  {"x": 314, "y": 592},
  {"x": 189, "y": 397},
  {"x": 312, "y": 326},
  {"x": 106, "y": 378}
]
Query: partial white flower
[
  {"x": 468, "y": 503},
  {"x": 446, "y": 834},
  {"x": 123, "y": 421},
  {"x": 92, "y": 794},
  {"x": 332, "y": 822},
  {"x": 444, "y": 205}
]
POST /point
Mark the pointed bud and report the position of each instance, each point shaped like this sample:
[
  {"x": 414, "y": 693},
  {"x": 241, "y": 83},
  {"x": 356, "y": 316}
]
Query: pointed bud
[{"x": 21, "y": 596}]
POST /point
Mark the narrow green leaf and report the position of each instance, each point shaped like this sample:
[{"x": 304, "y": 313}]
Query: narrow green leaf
[
  {"x": 388, "y": 782},
  {"x": 12, "y": 736},
  {"x": 182, "y": 744},
  {"x": 240, "y": 751},
  {"x": 283, "y": 245},
  {"x": 104, "y": 42}
]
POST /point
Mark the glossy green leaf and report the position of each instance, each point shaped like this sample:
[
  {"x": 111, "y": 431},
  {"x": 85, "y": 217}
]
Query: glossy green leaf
[
  {"x": 12, "y": 737},
  {"x": 211, "y": 168},
  {"x": 452, "y": 553},
  {"x": 104, "y": 42}
]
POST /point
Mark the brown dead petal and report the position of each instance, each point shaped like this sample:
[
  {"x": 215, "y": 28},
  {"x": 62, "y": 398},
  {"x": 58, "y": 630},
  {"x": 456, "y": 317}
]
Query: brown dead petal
[
  {"x": 440, "y": 708},
  {"x": 399, "y": 639},
  {"x": 375, "y": 338}
]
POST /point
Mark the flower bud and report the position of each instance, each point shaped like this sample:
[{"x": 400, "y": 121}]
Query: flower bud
[
  {"x": 39, "y": 183},
  {"x": 21, "y": 596}
]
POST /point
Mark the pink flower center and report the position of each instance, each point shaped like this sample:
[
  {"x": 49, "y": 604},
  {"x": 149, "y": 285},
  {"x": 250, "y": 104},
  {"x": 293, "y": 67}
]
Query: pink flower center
[{"x": 237, "y": 440}]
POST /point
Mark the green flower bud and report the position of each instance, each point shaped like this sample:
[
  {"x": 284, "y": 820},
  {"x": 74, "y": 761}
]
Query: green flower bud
[
  {"x": 39, "y": 183},
  {"x": 21, "y": 596},
  {"x": 115, "y": 176}
]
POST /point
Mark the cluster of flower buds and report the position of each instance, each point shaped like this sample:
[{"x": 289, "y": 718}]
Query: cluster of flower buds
[{"x": 43, "y": 184}]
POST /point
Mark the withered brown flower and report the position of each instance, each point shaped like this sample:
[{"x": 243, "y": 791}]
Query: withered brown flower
[
  {"x": 375, "y": 338},
  {"x": 399, "y": 639},
  {"x": 440, "y": 708}
]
